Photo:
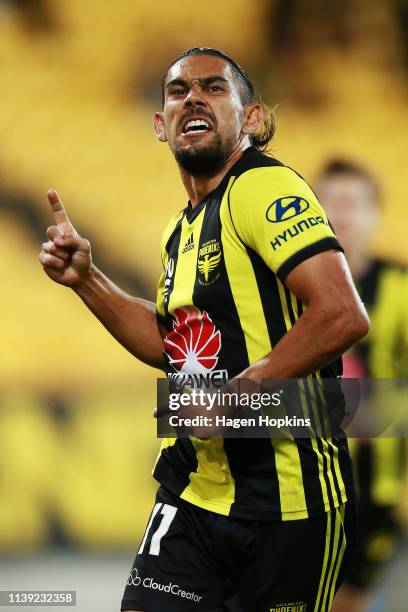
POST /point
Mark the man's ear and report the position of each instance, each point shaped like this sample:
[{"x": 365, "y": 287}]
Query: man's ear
[
  {"x": 253, "y": 115},
  {"x": 159, "y": 127}
]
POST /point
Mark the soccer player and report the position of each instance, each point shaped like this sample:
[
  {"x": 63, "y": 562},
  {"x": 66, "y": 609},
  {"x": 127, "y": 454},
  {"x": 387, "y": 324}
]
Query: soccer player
[
  {"x": 254, "y": 286},
  {"x": 351, "y": 199}
]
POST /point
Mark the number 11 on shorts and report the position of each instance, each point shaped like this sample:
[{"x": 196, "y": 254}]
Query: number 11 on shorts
[{"x": 168, "y": 512}]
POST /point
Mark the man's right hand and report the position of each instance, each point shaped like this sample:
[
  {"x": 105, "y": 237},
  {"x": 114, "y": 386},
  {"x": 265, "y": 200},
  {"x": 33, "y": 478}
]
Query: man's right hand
[{"x": 66, "y": 257}]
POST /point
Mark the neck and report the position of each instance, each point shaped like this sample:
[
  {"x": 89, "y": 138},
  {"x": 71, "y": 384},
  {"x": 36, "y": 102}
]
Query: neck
[{"x": 198, "y": 187}]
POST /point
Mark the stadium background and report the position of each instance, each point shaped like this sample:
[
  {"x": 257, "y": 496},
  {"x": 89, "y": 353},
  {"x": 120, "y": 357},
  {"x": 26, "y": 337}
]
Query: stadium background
[{"x": 79, "y": 82}]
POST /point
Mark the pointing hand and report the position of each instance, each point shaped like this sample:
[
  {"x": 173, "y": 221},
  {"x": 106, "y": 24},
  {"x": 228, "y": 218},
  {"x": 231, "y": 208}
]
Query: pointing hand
[{"x": 66, "y": 257}]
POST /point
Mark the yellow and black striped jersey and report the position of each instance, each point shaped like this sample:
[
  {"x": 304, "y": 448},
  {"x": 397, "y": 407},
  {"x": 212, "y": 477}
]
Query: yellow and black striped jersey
[
  {"x": 380, "y": 464},
  {"x": 223, "y": 300}
]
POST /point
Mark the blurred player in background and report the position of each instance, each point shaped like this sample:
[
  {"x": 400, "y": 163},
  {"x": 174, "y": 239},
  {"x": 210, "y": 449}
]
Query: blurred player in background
[
  {"x": 351, "y": 199},
  {"x": 254, "y": 286}
]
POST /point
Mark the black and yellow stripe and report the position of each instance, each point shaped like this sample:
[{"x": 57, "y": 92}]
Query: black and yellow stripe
[{"x": 335, "y": 546}]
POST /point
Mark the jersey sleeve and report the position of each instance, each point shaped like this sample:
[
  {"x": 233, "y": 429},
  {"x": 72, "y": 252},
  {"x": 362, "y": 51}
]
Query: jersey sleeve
[
  {"x": 167, "y": 267},
  {"x": 160, "y": 312},
  {"x": 277, "y": 215},
  {"x": 161, "y": 285}
]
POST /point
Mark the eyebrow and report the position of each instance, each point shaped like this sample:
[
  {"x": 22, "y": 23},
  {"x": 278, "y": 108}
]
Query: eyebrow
[{"x": 203, "y": 81}]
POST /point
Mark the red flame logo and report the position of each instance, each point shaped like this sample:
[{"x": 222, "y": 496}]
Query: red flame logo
[{"x": 193, "y": 345}]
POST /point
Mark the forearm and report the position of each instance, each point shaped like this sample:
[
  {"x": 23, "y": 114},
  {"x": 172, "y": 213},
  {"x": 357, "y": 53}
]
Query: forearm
[
  {"x": 313, "y": 342},
  {"x": 132, "y": 321}
]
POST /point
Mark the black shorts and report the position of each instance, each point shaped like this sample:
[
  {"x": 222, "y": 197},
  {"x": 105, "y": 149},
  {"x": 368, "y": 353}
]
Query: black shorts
[{"x": 193, "y": 559}]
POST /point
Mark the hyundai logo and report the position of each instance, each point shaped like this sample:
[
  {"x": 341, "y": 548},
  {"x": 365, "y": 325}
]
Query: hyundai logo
[{"x": 286, "y": 208}]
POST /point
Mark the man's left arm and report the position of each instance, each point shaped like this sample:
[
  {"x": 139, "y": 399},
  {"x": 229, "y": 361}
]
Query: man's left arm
[
  {"x": 334, "y": 319},
  {"x": 276, "y": 214}
]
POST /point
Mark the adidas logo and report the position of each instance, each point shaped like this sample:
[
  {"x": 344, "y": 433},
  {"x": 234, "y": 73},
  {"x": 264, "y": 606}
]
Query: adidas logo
[{"x": 189, "y": 244}]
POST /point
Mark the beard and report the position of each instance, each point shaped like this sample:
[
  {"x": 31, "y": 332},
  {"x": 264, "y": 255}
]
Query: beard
[{"x": 205, "y": 161}]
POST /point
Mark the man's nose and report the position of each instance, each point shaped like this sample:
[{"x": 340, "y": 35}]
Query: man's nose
[{"x": 195, "y": 96}]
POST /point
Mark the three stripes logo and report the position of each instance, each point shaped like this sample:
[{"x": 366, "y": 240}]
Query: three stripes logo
[{"x": 189, "y": 244}]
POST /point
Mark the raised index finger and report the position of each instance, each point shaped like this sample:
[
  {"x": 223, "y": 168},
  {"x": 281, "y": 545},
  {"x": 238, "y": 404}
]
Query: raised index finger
[{"x": 60, "y": 215}]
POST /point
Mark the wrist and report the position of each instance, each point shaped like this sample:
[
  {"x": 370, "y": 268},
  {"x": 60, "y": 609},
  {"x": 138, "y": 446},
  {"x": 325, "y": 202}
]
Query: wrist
[
  {"x": 86, "y": 282},
  {"x": 253, "y": 373}
]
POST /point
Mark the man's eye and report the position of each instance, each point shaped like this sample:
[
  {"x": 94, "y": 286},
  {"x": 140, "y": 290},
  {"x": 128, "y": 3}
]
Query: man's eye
[
  {"x": 215, "y": 88},
  {"x": 178, "y": 92}
]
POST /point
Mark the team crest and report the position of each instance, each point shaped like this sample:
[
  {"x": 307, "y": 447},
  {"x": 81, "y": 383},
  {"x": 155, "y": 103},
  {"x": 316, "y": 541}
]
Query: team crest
[{"x": 209, "y": 257}]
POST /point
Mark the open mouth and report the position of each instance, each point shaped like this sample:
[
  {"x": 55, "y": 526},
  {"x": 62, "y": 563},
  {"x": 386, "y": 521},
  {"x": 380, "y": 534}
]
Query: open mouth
[{"x": 196, "y": 126}]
